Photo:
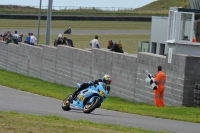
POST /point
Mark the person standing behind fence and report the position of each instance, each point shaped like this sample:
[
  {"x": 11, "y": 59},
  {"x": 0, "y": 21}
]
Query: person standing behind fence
[
  {"x": 58, "y": 41},
  {"x": 95, "y": 43},
  {"x": 28, "y": 38},
  {"x": 33, "y": 39},
  {"x": 16, "y": 37},
  {"x": 68, "y": 41},
  {"x": 159, "y": 93},
  {"x": 8, "y": 38}
]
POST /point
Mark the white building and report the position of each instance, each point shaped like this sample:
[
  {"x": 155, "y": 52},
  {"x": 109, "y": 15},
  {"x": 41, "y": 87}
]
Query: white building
[{"x": 179, "y": 31}]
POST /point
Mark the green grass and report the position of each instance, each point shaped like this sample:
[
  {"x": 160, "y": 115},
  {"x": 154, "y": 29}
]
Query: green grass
[
  {"x": 44, "y": 88},
  {"x": 166, "y": 4},
  {"x": 75, "y": 25},
  {"x": 130, "y": 42},
  {"x": 11, "y": 122}
]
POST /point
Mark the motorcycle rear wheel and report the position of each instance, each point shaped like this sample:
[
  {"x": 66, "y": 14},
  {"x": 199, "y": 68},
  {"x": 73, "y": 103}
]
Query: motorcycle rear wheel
[
  {"x": 89, "y": 107},
  {"x": 66, "y": 104}
]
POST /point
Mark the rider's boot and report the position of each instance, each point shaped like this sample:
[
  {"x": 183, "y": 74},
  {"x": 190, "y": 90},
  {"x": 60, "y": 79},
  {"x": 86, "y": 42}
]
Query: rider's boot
[{"x": 74, "y": 96}]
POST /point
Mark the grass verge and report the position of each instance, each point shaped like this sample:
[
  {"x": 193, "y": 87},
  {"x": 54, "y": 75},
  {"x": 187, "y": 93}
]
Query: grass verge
[
  {"x": 75, "y": 25},
  {"x": 44, "y": 88},
  {"x": 18, "y": 123},
  {"x": 88, "y": 12}
]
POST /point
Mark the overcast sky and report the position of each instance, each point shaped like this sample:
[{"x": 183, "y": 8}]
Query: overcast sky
[{"x": 83, "y": 3}]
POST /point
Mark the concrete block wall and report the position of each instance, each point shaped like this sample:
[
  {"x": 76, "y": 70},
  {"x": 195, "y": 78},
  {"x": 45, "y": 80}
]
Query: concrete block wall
[
  {"x": 12, "y": 58},
  {"x": 3, "y": 55},
  {"x": 175, "y": 80},
  {"x": 67, "y": 66},
  {"x": 100, "y": 65},
  {"x": 35, "y": 61},
  {"x": 121, "y": 67},
  {"x": 23, "y": 58},
  {"x": 49, "y": 54},
  {"x": 124, "y": 77},
  {"x": 72, "y": 66},
  {"x": 80, "y": 66},
  {"x": 192, "y": 76},
  {"x": 64, "y": 65}
]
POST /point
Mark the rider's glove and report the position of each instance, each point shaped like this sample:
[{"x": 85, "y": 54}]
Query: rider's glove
[{"x": 90, "y": 83}]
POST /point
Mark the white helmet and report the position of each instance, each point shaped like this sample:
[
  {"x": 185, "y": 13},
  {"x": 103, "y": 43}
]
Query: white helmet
[{"x": 60, "y": 35}]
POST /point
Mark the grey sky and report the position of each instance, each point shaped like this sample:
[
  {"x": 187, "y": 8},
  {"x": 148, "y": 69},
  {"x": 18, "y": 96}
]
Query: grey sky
[{"x": 83, "y": 3}]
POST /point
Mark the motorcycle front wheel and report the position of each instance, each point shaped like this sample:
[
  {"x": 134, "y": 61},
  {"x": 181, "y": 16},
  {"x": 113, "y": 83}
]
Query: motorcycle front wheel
[
  {"x": 89, "y": 107},
  {"x": 66, "y": 104}
]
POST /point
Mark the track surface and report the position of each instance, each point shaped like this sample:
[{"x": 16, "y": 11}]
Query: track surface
[
  {"x": 28, "y": 103},
  {"x": 79, "y": 32}
]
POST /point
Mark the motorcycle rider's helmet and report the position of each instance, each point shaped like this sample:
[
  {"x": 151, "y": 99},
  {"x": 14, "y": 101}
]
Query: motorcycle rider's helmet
[
  {"x": 60, "y": 36},
  {"x": 107, "y": 79}
]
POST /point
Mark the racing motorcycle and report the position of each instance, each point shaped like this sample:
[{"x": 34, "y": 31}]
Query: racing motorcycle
[
  {"x": 87, "y": 100},
  {"x": 67, "y": 31}
]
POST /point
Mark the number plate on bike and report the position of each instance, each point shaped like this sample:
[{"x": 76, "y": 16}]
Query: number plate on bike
[
  {"x": 81, "y": 97},
  {"x": 102, "y": 94}
]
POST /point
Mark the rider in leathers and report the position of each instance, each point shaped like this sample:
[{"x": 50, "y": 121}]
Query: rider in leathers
[{"x": 106, "y": 79}]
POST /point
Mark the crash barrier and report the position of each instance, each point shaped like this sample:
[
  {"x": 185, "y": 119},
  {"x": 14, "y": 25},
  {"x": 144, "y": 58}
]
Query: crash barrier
[
  {"x": 77, "y": 18},
  {"x": 67, "y": 66},
  {"x": 197, "y": 95}
]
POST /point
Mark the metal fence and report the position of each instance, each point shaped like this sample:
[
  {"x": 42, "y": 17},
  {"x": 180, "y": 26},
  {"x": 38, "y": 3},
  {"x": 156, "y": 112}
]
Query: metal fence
[{"x": 17, "y": 7}]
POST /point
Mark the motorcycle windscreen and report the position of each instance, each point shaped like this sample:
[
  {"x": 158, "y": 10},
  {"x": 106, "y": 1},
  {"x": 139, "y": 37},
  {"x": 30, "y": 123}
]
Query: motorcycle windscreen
[{"x": 103, "y": 85}]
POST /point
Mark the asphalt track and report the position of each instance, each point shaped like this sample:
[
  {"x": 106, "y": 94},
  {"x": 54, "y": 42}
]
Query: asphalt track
[
  {"x": 28, "y": 103},
  {"x": 79, "y": 32}
]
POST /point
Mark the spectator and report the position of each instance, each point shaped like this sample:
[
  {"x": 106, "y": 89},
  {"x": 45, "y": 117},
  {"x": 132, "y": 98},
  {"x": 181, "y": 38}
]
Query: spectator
[
  {"x": 4, "y": 36},
  {"x": 33, "y": 39},
  {"x": 119, "y": 44},
  {"x": 16, "y": 38},
  {"x": 116, "y": 48},
  {"x": 110, "y": 44},
  {"x": 58, "y": 41},
  {"x": 95, "y": 43},
  {"x": 1, "y": 38},
  {"x": 8, "y": 38},
  {"x": 68, "y": 41},
  {"x": 28, "y": 38},
  {"x": 20, "y": 38}
]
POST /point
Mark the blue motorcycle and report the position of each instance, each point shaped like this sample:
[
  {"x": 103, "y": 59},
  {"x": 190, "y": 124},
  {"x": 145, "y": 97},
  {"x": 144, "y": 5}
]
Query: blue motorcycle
[{"x": 87, "y": 100}]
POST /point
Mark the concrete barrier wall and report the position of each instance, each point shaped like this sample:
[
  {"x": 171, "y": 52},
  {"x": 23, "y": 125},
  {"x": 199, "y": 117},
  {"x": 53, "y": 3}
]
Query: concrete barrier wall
[
  {"x": 67, "y": 66},
  {"x": 3, "y": 56},
  {"x": 35, "y": 61},
  {"x": 23, "y": 58}
]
